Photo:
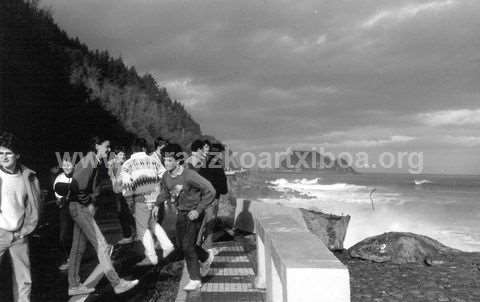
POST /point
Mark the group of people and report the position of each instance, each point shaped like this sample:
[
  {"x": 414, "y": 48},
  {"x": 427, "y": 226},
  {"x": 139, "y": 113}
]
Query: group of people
[{"x": 140, "y": 185}]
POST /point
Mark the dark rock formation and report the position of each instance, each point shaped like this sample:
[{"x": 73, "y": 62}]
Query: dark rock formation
[
  {"x": 306, "y": 160},
  {"x": 331, "y": 229},
  {"x": 399, "y": 248}
]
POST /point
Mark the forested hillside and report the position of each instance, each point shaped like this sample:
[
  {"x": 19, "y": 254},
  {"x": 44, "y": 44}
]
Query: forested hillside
[{"x": 55, "y": 92}]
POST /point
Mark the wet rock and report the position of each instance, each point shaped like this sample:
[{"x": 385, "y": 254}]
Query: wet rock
[
  {"x": 331, "y": 229},
  {"x": 401, "y": 248}
]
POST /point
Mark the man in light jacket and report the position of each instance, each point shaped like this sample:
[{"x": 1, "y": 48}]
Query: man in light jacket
[{"x": 19, "y": 207}]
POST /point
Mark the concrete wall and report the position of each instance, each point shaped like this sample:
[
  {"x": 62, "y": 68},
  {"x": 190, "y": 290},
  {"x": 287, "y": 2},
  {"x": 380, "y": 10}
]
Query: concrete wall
[{"x": 293, "y": 264}]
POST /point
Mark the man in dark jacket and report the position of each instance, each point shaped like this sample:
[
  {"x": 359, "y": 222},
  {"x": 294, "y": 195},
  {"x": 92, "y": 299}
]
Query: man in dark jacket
[{"x": 214, "y": 172}]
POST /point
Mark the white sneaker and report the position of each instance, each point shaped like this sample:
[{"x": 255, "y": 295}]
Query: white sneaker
[
  {"x": 125, "y": 240},
  {"x": 80, "y": 290},
  {"x": 64, "y": 266},
  {"x": 193, "y": 285},
  {"x": 125, "y": 286},
  {"x": 167, "y": 251},
  {"x": 205, "y": 266}
]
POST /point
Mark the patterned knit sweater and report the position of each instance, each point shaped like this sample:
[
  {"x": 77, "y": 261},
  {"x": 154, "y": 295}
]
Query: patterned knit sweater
[{"x": 141, "y": 176}]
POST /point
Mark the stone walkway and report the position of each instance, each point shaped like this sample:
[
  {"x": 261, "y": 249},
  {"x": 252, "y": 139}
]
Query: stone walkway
[{"x": 230, "y": 278}]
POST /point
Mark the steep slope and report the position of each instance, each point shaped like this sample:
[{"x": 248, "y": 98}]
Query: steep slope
[{"x": 55, "y": 92}]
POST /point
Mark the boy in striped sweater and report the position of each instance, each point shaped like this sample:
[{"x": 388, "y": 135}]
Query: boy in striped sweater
[{"x": 141, "y": 176}]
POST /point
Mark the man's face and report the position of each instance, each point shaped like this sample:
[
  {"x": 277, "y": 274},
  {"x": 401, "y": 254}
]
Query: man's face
[
  {"x": 170, "y": 163},
  {"x": 205, "y": 150},
  {"x": 103, "y": 149},
  {"x": 8, "y": 159},
  {"x": 120, "y": 156},
  {"x": 67, "y": 167}
]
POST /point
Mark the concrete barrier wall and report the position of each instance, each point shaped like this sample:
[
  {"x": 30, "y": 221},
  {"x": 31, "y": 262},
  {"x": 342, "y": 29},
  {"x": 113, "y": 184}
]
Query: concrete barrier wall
[{"x": 293, "y": 264}]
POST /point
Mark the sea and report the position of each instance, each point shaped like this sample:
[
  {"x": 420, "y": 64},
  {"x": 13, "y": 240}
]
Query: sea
[{"x": 444, "y": 207}]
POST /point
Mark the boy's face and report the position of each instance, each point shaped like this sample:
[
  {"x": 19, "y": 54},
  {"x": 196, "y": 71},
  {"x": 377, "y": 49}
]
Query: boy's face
[
  {"x": 8, "y": 159},
  {"x": 67, "y": 167},
  {"x": 170, "y": 163},
  {"x": 205, "y": 149},
  {"x": 103, "y": 149},
  {"x": 120, "y": 156}
]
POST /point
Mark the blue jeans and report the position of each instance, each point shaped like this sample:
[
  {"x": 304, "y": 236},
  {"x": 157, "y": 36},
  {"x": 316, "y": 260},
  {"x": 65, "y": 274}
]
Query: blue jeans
[
  {"x": 187, "y": 232},
  {"x": 85, "y": 228},
  {"x": 19, "y": 254}
]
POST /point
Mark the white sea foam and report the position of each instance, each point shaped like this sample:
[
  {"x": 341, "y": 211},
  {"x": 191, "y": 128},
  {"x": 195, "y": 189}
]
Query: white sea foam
[
  {"x": 395, "y": 210},
  {"x": 342, "y": 192}
]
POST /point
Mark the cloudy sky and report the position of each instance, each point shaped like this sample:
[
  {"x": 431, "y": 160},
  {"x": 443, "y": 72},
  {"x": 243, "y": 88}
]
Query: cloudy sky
[{"x": 371, "y": 76}]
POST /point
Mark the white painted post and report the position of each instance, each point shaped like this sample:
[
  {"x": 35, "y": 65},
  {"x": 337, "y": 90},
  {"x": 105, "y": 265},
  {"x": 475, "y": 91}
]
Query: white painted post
[{"x": 260, "y": 281}]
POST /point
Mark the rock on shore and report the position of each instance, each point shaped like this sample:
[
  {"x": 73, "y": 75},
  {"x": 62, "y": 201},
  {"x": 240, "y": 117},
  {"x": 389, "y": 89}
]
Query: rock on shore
[
  {"x": 399, "y": 248},
  {"x": 331, "y": 229}
]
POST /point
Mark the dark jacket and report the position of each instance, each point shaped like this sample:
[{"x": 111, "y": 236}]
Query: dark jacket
[
  {"x": 196, "y": 192},
  {"x": 215, "y": 174},
  {"x": 85, "y": 188}
]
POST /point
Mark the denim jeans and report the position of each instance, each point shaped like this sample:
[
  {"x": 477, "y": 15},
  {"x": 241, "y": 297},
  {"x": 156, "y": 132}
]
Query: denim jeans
[
  {"x": 66, "y": 230},
  {"x": 124, "y": 216},
  {"x": 187, "y": 232},
  {"x": 207, "y": 228},
  {"x": 85, "y": 228},
  {"x": 19, "y": 254},
  {"x": 147, "y": 228}
]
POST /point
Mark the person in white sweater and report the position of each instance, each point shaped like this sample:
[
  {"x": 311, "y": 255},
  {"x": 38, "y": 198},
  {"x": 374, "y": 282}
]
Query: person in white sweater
[
  {"x": 19, "y": 206},
  {"x": 141, "y": 175}
]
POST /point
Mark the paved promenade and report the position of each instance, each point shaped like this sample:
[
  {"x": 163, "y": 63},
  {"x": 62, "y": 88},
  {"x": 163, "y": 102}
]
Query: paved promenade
[{"x": 230, "y": 278}]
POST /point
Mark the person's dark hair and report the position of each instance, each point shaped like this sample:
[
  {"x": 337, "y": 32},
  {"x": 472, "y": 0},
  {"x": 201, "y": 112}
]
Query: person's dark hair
[
  {"x": 119, "y": 148},
  {"x": 207, "y": 142},
  {"x": 216, "y": 147},
  {"x": 159, "y": 141},
  {"x": 173, "y": 150},
  {"x": 10, "y": 141},
  {"x": 96, "y": 140},
  {"x": 197, "y": 145},
  {"x": 139, "y": 145}
]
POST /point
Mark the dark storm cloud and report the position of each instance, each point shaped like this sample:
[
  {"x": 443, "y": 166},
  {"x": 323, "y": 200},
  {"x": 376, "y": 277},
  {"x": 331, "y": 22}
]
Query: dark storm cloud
[{"x": 390, "y": 73}]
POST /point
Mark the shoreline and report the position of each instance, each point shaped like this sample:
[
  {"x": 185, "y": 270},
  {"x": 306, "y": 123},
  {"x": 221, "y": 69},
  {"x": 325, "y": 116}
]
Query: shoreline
[{"x": 456, "y": 279}]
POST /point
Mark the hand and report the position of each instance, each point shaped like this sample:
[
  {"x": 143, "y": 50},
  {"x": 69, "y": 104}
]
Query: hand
[
  {"x": 131, "y": 205},
  {"x": 155, "y": 212},
  {"x": 193, "y": 214},
  {"x": 91, "y": 208}
]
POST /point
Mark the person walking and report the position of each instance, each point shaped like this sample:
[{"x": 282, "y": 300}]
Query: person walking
[
  {"x": 61, "y": 187},
  {"x": 19, "y": 208},
  {"x": 125, "y": 217},
  {"x": 141, "y": 176},
  {"x": 159, "y": 144},
  {"x": 214, "y": 172},
  {"x": 193, "y": 194},
  {"x": 84, "y": 191}
]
